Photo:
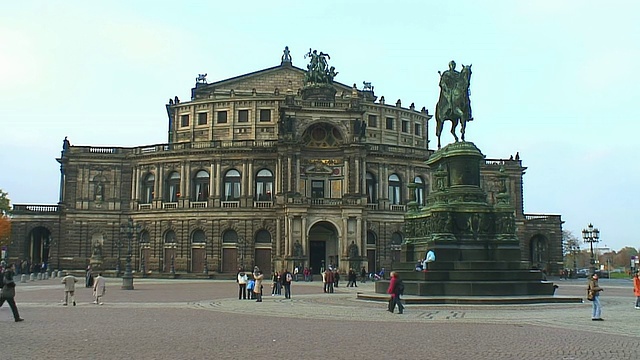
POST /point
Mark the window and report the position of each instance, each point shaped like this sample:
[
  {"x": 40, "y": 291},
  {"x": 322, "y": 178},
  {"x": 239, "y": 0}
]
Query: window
[
  {"x": 419, "y": 190},
  {"x": 184, "y": 120},
  {"x": 243, "y": 115},
  {"x": 264, "y": 185},
  {"x": 396, "y": 239},
  {"x": 263, "y": 237},
  {"x": 389, "y": 123},
  {"x": 144, "y": 237},
  {"x": 405, "y": 126},
  {"x": 170, "y": 237},
  {"x": 371, "y": 237},
  {"x": 147, "y": 189},
  {"x": 232, "y": 186},
  {"x": 172, "y": 192},
  {"x": 372, "y": 188},
  {"x": 373, "y": 121},
  {"x": 198, "y": 237},
  {"x": 202, "y": 118},
  {"x": 265, "y": 115},
  {"x": 222, "y": 117},
  {"x": 200, "y": 186},
  {"x": 230, "y": 236},
  {"x": 416, "y": 129},
  {"x": 394, "y": 189},
  {"x": 317, "y": 189}
]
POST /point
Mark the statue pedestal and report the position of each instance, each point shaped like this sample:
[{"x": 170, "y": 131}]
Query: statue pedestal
[{"x": 475, "y": 243}]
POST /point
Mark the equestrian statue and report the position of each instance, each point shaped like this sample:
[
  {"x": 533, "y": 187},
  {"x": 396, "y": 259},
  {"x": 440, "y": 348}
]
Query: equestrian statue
[{"x": 454, "y": 104}]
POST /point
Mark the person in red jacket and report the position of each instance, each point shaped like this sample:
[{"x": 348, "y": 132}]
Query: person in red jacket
[
  {"x": 396, "y": 288},
  {"x": 636, "y": 288}
]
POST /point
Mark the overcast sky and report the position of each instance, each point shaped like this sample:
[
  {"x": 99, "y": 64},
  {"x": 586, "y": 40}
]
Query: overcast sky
[{"x": 555, "y": 81}]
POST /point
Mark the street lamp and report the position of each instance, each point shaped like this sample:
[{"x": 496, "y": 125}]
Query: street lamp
[
  {"x": 591, "y": 235},
  {"x": 128, "y": 229}
]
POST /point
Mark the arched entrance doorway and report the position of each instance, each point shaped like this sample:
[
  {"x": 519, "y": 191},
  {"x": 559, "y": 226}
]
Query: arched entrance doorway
[
  {"x": 37, "y": 247},
  {"x": 538, "y": 252},
  {"x": 323, "y": 246}
]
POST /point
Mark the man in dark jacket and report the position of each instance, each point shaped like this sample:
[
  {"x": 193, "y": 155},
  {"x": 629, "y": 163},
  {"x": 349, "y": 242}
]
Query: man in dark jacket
[{"x": 9, "y": 292}]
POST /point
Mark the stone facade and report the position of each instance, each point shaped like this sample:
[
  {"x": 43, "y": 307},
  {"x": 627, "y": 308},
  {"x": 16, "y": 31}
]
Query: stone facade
[{"x": 253, "y": 174}]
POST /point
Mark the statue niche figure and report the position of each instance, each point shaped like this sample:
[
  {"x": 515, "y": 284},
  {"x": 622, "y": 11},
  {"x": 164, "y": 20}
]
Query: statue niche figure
[
  {"x": 297, "y": 249},
  {"x": 454, "y": 104},
  {"x": 353, "y": 250}
]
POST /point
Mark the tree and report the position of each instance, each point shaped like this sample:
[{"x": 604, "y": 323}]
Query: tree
[
  {"x": 5, "y": 220},
  {"x": 570, "y": 249}
]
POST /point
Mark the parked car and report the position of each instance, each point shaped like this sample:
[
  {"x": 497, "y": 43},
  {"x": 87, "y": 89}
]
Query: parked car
[
  {"x": 582, "y": 273},
  {"x": 603, "y": 274}
]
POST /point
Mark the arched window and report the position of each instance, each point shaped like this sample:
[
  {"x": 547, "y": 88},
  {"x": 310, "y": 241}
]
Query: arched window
[
  {"x": 263, "y": 237},
  {"x": 264, "y": 185},
  {"x": 419, "y": 190},
  {"x": 372, "y": 189},
  {"x": 200, "y": 186},
  {"x": 371, "y": 238},
  {"x": 395, "y": 195},
  {"x": 198, "y": 237},
  {"x": 230, "y": 236},
  {"x": 170, "y": 237},
  {"x": 147, "y": 189},
  {"x": 232, "y": 185},
  {"x": 396, "y": 239},
  {"x": 172, "y": 192},
  {"x": 144, "y": 237},
  {"x": 539, "y": 251}
]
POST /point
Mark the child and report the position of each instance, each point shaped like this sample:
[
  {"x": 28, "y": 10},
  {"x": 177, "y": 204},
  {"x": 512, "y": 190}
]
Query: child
[{"x": 250, "y": 286}]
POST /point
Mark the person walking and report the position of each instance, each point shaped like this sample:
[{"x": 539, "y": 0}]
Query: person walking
[
  {"x": 69, "y": 282},
  {"x": 593, "y": 294},
  {"x": 352, "y": 277},
  {"x": 329, "y": 280},
  {"x": 88, "y": 277},
  {"x": 8, "y": 293},
  {"x": 363, "y": 275},
  {"x": 257, "y": 290},
  {"x": 636, "y": 288},
  {"x": 287, "y": 278},
  {"x": 396, "y": 288},
  {"x": 99, "y": 288},
  {"x": 242, "y": 285}
]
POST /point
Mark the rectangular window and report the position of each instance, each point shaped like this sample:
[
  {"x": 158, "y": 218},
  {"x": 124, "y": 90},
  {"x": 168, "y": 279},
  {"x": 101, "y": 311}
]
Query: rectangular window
[
  {"x": 222, "y": 117},
  {"x": 317, "y": 189},
  {"x": 373, "y": 121},
  {"x": 202, "y": 118},
  {"x": 390, "y": 123},
  {"x": 405, "y": 126},
  {"x": 416, "y": 129},
  {"x": 265, "y": 115},
  {"x": 184, "y": 120},
  {"x": 243, "y": 115}
]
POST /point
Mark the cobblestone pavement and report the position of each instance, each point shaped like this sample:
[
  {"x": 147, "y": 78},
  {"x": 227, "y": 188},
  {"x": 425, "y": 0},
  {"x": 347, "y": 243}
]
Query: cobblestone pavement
[{"x": 187, "y": 319}]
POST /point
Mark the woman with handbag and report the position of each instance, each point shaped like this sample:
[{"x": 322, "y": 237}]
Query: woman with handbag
[{"x": 593, "y": 294}]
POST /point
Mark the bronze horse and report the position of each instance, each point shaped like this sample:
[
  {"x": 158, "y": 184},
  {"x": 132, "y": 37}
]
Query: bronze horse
[{"x": 456, "y": 107}]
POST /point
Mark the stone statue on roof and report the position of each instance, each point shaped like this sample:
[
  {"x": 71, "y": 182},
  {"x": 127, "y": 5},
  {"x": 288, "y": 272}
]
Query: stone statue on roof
[{"x": 318, "y": 71}]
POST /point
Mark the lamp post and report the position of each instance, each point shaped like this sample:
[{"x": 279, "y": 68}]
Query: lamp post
[
  {"x": 591, "y": 235},
  {"x": 129, "y": 229},
  {"x": 118, "y": 261}
]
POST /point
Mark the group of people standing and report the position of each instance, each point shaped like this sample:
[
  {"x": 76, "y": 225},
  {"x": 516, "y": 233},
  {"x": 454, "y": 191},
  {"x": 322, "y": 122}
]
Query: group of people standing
[{"x": 250, "y": 284}]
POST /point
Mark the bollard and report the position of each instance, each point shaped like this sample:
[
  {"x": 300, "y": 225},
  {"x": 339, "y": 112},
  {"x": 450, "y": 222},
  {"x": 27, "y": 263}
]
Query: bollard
[
  {"x": 39, "y": 276},
  {"x": 23, "y": 278},
  {"x": 54, "y": 274},
  {"x": 45, "y": 276},
  {"x": 32, "y": 277}
]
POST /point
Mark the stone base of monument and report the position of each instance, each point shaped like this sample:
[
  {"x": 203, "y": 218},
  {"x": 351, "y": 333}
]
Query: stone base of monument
[{"x": 475, "y": 243}]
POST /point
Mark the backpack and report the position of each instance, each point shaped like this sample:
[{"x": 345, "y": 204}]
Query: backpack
[
  {"x": 289, "y": 277},
  {"x": 1, "y": 279},
  {"x": 400, "y": 287}
]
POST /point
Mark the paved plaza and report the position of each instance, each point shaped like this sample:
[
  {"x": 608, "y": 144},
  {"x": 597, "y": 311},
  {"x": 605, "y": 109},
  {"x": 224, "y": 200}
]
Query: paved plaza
[{"x": 189, "y": 319}]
